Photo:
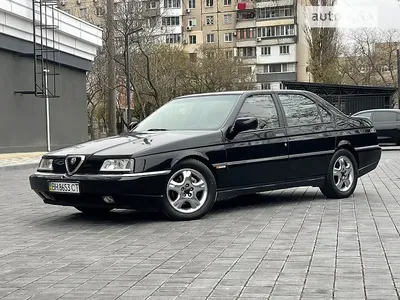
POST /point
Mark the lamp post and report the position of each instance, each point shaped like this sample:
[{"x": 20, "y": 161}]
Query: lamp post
[
  {"x": 128, "y": 73},
  {"x": 398, "y": 77}
]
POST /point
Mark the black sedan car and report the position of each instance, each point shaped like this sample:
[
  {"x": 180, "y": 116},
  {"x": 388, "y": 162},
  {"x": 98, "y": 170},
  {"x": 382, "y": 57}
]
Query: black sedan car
[
  {"x": 198, "y": 149},
  {"x": 386, "y": 123}
]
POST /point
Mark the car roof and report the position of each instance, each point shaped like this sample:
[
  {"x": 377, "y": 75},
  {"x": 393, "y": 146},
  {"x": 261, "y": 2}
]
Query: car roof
[
  {"x": 241, "y": 93},
  {"x": 378, "y": 109}
]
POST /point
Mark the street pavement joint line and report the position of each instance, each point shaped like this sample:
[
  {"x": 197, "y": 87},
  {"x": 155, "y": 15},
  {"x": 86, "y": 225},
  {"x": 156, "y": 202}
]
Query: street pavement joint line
[
  {"x": 380, "y": 239},
  {"x": 226, "y": 247},
  {"x": 359, "y": 242},
  {"x": 297, "y": 235},
  {"x": 315, "y": 244}
]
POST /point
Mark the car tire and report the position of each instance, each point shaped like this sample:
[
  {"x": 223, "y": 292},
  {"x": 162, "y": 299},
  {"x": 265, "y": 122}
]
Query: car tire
[
  {"x": 93, "y": 211},
  {"x": 341, "y": 179},
  {"x": 190, "y": 191}
]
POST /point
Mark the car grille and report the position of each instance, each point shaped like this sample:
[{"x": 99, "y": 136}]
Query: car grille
[{"x": 88, "y": 167}]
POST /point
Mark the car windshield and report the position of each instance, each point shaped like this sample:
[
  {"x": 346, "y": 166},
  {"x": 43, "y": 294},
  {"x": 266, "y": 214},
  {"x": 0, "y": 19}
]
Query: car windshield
[{"x": 192, "y": 113}]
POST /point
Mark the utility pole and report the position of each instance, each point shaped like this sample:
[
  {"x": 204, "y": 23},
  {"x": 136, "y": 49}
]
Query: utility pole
[
  {"x": 128, "y": 72},
  {"x": 398, "y": 77},
  {"x": 112, "y": 95},
  {"x": 46, "y": 91},
  {"x": 128, "y": 79}
]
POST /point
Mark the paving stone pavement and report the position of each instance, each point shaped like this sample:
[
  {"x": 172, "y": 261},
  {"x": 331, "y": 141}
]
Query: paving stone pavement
[
  {"x": 287, "y": 244},
  {"x": 10, "y": 161}
]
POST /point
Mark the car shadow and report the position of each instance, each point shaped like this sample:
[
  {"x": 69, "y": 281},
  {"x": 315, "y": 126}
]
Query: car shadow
[
  {"x": 263, "y": 200},
  {"x": 129, "y": 217}
]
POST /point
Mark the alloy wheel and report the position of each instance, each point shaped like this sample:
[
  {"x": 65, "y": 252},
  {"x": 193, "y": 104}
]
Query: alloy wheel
[
  {"x": 187, "y": 190},
  {"x": 343, "y": 173}
]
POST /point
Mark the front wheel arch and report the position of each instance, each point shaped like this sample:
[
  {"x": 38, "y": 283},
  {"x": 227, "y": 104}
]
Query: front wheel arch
[{"x": 198, "y": 157}]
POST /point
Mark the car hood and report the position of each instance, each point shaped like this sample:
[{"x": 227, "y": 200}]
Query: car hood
[{"x": 145, "y": 143}]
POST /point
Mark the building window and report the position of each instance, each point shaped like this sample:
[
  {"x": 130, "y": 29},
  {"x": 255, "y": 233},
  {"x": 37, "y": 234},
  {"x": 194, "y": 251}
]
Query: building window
[
  {"x": 210, "y": 38},
  {"x": 228, "y": 37},
  {"x": 229, "y": 53},
  {"x": 284, "y": 49},
  {"x": 83, "y": 12},
  {"x": 209, "y": 3},
  {"x": 172, "y": 3},
  {"x": 266, "y": 50},
  {"x": 246, "y": 16},
  {"x": 275, "y": 12},
  {"x": 153, "y": 5},
  {"x": 247, "y": 52},
  {"x": 192, "y": 22},
  {"x": 209, "y": 20},
  {"x": 170, "y": 21},
  {"x": 192, "y": 39},
  {"x": 100, "y": 11},
  {"x": 173, "y": 38},
  {"x": 192, "y": 4},
  {"x": 273, "y": 31},
  {"x": 228, "y": 19},
  {"x": 279, "y": 68},
  {"x": 246, "y": 33},
  {"x": 227, "y": 2},
  {"x": 265, "y": 86},
  {"x": 210, "y": 54},
  {"x": 193, "y": 57}
]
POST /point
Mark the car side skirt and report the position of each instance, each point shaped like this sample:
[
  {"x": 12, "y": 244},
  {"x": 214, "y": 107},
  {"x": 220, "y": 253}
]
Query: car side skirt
[{"x": 226, "y": 194}]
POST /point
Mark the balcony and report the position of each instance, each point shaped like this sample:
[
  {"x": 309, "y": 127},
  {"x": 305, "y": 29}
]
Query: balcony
[
  {"x": 274, "y": 77},
  {"x": 244, "y": 5},
  {"x": 245, "y": 24},
  {"x": 273, "y": 3},
  {"x": 277, "y": 41},
  {"x": 248, "y": 60},
  {"x": 246, "y": 43}
]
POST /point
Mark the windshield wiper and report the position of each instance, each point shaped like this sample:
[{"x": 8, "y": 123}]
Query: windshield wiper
[{"x": 157, "y": 129}]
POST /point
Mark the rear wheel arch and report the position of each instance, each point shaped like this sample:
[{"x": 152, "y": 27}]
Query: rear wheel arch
[{"x": 347, "y": 145}]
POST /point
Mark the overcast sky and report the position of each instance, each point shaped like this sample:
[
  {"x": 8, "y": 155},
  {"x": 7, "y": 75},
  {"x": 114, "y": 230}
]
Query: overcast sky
[{"x": 387, "y": 12}]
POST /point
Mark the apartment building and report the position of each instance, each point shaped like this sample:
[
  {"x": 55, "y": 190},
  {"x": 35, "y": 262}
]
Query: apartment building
[
  {"x": 92, "y": 11},
  {"x": 267, "y": 35},
  {"x": 209, "y": 22},
  {"x": 160, "y": 18},
  {"x": 270, "y": 38}
]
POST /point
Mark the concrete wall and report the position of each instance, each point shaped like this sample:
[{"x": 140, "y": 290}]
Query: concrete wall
[{"x": 23, "y": 118}]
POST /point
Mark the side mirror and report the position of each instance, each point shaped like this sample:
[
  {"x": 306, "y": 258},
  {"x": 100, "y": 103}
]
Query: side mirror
[
  {"x": 243, "y": 124},
  {"x": 132, "y": 125}
]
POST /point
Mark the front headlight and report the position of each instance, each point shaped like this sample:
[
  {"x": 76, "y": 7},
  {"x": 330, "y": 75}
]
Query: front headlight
[
  {"x": 118, "y": 165},
  {"x": 46, "y": 164}
]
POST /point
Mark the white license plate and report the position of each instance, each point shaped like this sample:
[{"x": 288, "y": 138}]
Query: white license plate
[{"x": 64, "y": 187}]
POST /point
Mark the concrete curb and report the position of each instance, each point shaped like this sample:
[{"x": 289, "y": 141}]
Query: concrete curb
[
  {"x": 390, "y": 148},
  {"x": 16, "y": 167}
]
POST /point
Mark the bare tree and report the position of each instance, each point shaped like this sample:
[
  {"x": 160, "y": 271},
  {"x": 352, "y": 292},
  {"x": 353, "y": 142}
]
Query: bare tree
[
  {"x": 324, "y": 47},
  {"x": 371, "y": 58},
  {"x": 213, "y": 71},
  {"x": 96, "y": 91}
]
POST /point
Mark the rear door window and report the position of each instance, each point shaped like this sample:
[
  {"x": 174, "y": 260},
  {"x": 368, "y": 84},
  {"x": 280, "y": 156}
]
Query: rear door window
[{"x": 385, "y": 116}]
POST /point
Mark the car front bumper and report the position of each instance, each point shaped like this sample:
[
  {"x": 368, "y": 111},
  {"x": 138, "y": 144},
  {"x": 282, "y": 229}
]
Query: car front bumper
[{"x": 139, "y": 190}]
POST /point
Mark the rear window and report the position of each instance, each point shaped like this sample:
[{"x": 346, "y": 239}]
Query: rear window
[{"x": 365, "y": 115}]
